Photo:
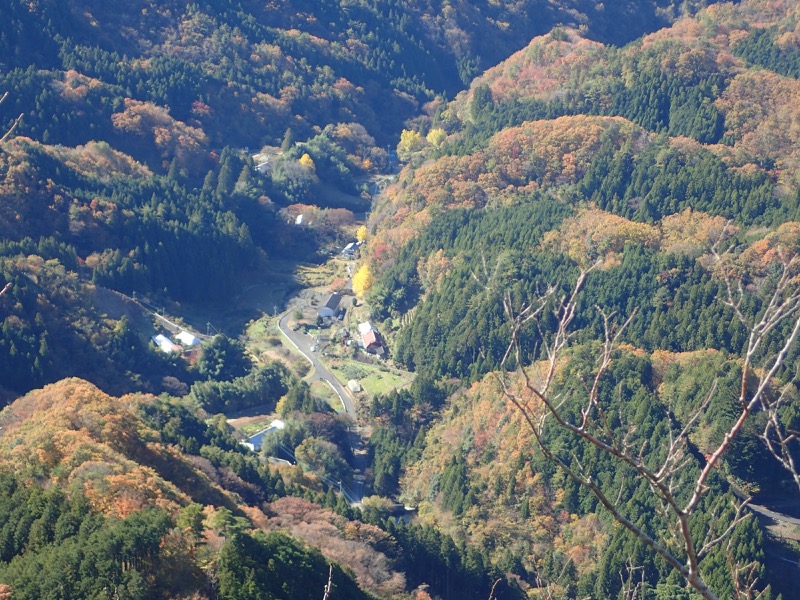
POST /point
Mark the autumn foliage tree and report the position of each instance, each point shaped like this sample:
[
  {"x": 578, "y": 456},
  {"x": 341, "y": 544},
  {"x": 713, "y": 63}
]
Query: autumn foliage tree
[
  {"x": 307, "y": 162},
  {"x": 687, "y": 489},
  {"x": 363, "y": 280},
  {"x": 410, "y": 144}
]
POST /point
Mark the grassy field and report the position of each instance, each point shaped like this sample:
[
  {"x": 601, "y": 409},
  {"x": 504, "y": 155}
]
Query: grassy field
[
  {"x": 252, "y": 425},
  {"x": 375, "y": 379},
  {"x": 263, "y": 335},
  {"x": 320, "y": 389},
  {"x": 320, "y": 276},
  {"x": 380, "y": 382},
  {"x": 332, "y": 197},
  {"x": 266, "y": 291},
  {"x": 266, "y": 342}
]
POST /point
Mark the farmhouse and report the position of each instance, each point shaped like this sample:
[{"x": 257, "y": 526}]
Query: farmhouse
[
  {"x": 350, "y": 250},
  {"x": 370, "y": 338},
  {"x": 165, "y": 344},
  {"x": 187, "y": 339},
  {"x": 330, "y": 307}
]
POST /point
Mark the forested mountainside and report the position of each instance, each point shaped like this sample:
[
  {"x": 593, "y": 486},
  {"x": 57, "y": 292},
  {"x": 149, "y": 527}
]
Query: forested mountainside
[
  {"x": 246, "y": 71},
  {"x": 573, "y": 150},
  {"x": 551, "y": 445},
  {"x": 660, "y": 180},
  {"x": 159, "y": 143},
  {"x": 139, "y": 497},
  {"x": 482, "y": 478},
  {"x": 414, "y": 47}
]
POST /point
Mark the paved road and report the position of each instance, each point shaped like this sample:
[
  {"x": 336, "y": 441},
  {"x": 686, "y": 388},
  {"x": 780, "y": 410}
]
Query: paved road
[
  {"x": 123, "y": 299},
  {"x": 770, "y": 507},
  {"x": 320, "y": 372},
  {"x": 776, "y": 516}
]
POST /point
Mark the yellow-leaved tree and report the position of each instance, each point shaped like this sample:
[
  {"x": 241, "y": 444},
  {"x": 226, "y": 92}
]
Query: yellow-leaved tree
[
  {"x": 436, "y": 137},
  {"x": 410, "y": 142},
  {"x": 361, "y": 233},
  {"x": 307, "y": 161},
  {"x": 363, "y": 280}
]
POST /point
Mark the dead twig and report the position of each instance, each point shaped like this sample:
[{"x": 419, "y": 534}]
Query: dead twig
[
  {"x": 678, "y": 494},
  {"x": 329, "y": 585}
]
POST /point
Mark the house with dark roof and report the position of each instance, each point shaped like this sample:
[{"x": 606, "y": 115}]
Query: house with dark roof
[{"x": 331, "y": 305}]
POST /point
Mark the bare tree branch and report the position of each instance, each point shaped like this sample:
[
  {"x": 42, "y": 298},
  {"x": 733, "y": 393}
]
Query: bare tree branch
[
  {"x": 669, "y": 480},
  {"x": 494, "y": 585},
  {"x": 7, "y": 135},
  {"x": 329, "y": 585}
]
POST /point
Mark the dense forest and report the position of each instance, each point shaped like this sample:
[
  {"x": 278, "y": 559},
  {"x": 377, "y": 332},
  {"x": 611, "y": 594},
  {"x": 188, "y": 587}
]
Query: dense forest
[
  {"x": 581, "y": 226},
  {"x": 658, "y": 176},
  {"x": 160, "y": 145},
  {"x": 144, "y": 498}
]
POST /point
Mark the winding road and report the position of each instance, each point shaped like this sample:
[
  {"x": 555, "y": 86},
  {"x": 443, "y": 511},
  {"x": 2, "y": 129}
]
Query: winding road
[{"x": 320, "y": 372}]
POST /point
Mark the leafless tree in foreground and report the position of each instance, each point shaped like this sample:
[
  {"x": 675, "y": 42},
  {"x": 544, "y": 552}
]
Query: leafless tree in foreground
[
  {"x": 680, "y": 491},
  {"x": 7, "y": 135},
  {"x": 329, "y": 585},
  {"x": 494, "y": 585}
]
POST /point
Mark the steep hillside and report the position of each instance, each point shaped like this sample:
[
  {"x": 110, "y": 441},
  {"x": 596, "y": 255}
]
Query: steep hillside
[
  {"x": 701, "y": 79},
  {"x": 422, "y": 46},
  {"x": 482, "y": 478},
  {"x": 675, "y": 120},
  {"x": 659, "y": 183},
  {"x": 93, "y": 496},
  {"x": 74, "y": 218},
  {"x": 140, "y": 495},
  {"x": 590, "y": 258},
  {"x": 160, "y": 143},
  {"x": 51, "y": 328}
]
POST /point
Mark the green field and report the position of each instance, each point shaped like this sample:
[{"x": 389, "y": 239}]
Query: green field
[
  {"x": 320, "y": 389},
  {"x": 255, "y": 425},
  {"x": 375, "y": 379}
]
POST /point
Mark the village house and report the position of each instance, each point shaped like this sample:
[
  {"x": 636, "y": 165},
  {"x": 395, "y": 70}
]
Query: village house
[
  {"x": 187, "y": 339},
  {"x": 370, "y": 339},
  {"x": 350, "y": 250},
  {"x": 165, "y": 344},
  {"x": 331, "y": 305}
]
